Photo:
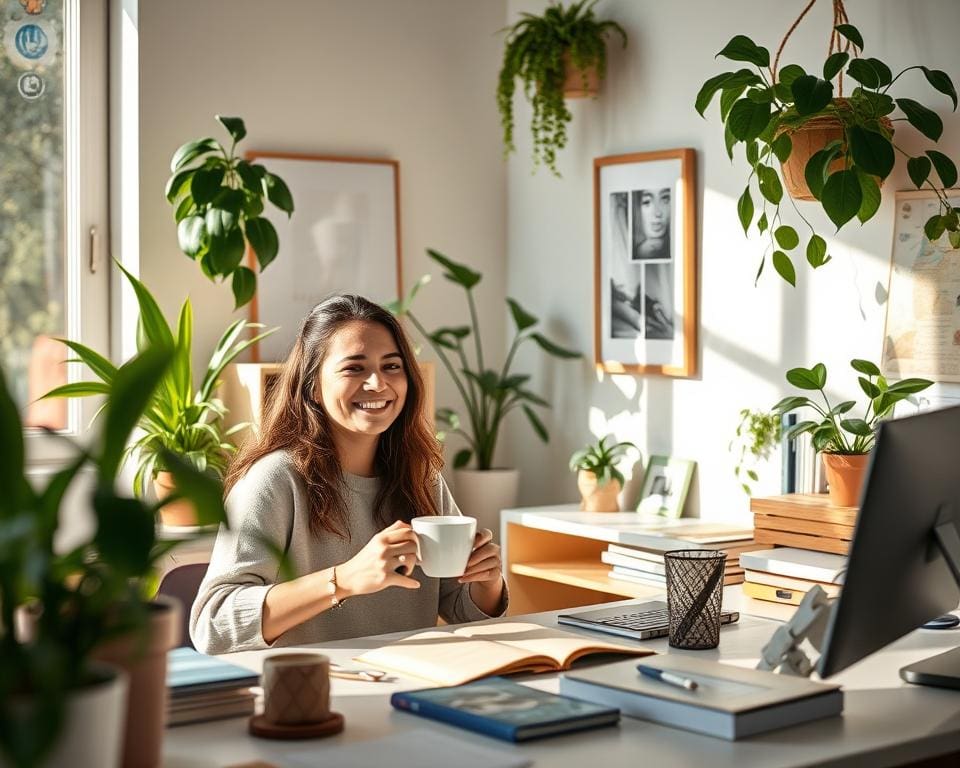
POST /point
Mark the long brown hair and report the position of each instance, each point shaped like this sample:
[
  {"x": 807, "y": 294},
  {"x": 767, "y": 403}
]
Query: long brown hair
[{"x": 408, "y": 458}]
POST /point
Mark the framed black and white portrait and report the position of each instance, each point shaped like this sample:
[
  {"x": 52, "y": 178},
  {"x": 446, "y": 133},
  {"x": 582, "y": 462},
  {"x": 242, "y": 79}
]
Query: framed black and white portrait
[{"x": 645, "y": 263}]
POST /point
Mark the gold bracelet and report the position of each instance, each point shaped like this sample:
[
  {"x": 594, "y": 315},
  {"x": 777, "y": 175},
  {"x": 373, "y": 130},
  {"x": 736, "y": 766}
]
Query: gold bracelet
[{"x": 335, "y": 602}]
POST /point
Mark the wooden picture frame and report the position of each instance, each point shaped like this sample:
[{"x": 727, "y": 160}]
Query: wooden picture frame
[
  {"x": 666, "y": 482},
  {"x": 645, "y": 263},
  {"x": 343, "y": 237}
]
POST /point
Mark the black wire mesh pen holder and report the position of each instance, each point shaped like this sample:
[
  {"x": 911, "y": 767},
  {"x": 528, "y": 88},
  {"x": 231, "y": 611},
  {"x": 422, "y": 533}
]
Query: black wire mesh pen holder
[{"x": 694, "y": 595}]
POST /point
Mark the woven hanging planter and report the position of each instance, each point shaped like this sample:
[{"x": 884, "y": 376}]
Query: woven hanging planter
[
  {"x": 577, "y": 84},
  {"x": 808, "y": 139}
]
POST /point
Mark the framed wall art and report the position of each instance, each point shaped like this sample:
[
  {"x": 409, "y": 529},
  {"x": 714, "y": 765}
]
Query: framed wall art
[
  {"x": 922, "y": 328},
  {"x": 666, "y": 482},
  {"x": 343, "y": 237},
  {"x": 645, "y": 263}
]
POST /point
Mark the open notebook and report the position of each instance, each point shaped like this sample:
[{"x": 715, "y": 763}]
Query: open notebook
[{"x": 453, "y": 657}]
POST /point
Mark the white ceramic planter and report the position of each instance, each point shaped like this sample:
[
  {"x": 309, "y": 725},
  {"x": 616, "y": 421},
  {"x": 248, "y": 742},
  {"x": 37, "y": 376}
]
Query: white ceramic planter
[
  {"x": 483, "y": 493},
  {"x": 92, "y": 734}
]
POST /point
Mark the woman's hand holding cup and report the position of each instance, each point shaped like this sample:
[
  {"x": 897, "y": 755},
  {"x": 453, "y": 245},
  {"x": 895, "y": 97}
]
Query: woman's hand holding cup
[
  {"x": 484, "y": 564},
  {"x": 387, "y": 560}
]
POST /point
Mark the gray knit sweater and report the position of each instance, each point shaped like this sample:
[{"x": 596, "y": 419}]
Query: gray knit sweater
[{"x": 270, "y": 502}]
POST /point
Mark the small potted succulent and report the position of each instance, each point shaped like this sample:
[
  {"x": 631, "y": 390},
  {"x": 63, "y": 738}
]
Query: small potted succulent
[
  {"x": 598, "y": 479},
  {"x": 845, "y": 442},
  {"x": 560, "y": 54},
  {"x": 833, "y": 149}
]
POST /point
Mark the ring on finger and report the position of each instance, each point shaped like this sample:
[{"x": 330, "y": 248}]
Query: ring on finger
[{"x": 402, "y": 558}]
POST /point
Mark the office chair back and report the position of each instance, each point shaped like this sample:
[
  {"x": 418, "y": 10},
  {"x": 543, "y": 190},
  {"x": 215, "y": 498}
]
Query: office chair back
[{"x": 183, "y": 583}]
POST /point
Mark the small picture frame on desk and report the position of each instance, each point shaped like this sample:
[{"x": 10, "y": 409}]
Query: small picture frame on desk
[{"x": 665, "y": 486}]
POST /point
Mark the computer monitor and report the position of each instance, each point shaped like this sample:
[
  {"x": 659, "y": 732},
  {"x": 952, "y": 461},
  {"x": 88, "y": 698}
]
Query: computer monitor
[{"x": 904, "y": 562}]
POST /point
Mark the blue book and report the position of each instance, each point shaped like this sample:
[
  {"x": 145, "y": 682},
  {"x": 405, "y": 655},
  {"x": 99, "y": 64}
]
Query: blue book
[
  {"x": 501, "y": 708},
  {"x": 190, "y": 672}
]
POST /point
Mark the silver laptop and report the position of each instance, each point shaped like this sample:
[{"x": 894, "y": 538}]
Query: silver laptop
[{"x": 639, "y": 621}]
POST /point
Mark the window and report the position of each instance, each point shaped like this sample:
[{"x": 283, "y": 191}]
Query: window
[{"x": 53, "y": 204}]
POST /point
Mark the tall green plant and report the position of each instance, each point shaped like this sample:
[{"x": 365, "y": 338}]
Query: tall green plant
[
  {"x": 488, "y": 394},
  {"x": 762, "y": 106},
  {"x": 93, "y": 591},
  {"x": 534, "y": 53},
  {"x": 218, "y": 207},
  {"x": 178, "y": 420}
]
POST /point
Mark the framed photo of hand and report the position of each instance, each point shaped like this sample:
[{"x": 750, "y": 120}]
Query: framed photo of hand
[{"x": 645, "y": 263}]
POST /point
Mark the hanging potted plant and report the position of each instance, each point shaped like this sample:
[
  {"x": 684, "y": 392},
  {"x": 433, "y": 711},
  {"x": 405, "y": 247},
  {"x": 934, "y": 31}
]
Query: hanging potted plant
[
  {"x": 834, "y": 149},
  {"x": 756, "y": 436},
  {"x": 845, "y": 442},
  {"x": 488, "y": 395},
  {"x": 561, "y": 54},
  {"x": 598, "y": 479}
]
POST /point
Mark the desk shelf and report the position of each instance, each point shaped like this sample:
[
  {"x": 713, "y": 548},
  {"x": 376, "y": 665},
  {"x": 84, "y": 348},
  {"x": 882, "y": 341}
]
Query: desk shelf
[{"x": 584, "y": 574}]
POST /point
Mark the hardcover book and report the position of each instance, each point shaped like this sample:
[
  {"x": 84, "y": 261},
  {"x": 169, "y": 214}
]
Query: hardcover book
[
  {"x": 729, "y": 702},
  {"x": 798, "y": 563},
  {"x": 505, "y": 710},
  {"x": 190, "y": 672},
  {"x": 453, "y": 657}
]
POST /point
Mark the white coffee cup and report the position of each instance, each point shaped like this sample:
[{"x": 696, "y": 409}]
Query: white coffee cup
[{"x": 446, "y": 542}]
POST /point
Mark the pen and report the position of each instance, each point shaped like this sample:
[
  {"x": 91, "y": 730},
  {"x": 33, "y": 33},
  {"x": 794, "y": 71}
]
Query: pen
[{"x": 667, "y": 677}]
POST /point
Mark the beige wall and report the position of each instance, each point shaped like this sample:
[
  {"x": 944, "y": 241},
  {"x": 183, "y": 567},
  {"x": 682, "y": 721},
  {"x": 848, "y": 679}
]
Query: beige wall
[
  {"x": 413, "y": 81},
  {"x": 749, "y": 336}
]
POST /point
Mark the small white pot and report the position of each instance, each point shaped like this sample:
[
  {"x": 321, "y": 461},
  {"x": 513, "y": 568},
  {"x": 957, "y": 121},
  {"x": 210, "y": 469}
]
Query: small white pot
[
  {"x": 482, "y": 493},
  {"x": 92, "y": 731}
]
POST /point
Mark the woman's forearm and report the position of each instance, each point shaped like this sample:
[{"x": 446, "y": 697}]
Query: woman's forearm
[
  {"x": 486, "y": 595},
  {"x": 291, "y": 603}
]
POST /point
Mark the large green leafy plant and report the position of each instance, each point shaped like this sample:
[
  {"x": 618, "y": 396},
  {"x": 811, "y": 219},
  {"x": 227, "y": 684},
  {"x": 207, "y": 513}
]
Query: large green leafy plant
[
  {"x": 218, "y": 199},
  {"x": 488, "y": 394},
  {"x": 832, "y": 431},
  {"x": 535, "y": 53},
  {"x": 179, "y": 420},
  {"x": 762, "y": 106},
  {"x": 92, "y": 592}
]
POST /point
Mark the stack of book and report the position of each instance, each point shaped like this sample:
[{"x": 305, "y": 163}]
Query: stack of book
[
  {"x": 645, "y": 565},
  {"x": 207, "y": 688},
  {"x": 786, "y": 574}
]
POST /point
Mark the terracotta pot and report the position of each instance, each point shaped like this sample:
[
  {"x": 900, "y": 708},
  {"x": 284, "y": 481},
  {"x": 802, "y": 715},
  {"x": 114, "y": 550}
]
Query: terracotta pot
[
  {"x": 577, "y": 84},
  {"x": 845, "y": 475},
  {"x": 92, "y": 728},
  {"x": 180, "y": 512},
  {"x": 807, "y": 140},
  {"x": 143, "y": 656},
  {"x": 597, "y": 498},
  {"x": 482, "y": 493}
]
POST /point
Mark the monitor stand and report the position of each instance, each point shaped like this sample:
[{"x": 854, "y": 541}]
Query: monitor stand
[{"x": 942, "y": 670}]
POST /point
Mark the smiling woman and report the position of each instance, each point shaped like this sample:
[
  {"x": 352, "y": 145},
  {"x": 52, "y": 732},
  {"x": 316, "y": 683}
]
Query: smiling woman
[{"x": 344, "y": 461}]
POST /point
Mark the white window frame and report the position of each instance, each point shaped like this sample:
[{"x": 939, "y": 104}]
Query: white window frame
[{"x": 86, "y": 213}]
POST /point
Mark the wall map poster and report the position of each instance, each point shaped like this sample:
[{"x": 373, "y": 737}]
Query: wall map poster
[{"x": 922, "y": 336}]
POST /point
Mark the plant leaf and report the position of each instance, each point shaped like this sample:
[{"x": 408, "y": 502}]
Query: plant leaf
[
  {"x": 536, "y": 424},
  {"x": 263, "y": 239},
  {"x": 784, "y": 267},
  {"x": 93, "y": 360},
  {"x": 808, "y": 378},
  {"x": 946, "y": 170},
  {"x": 790, "y": 403},
  {"x": 278, "y": 193},
  {"x": 151, "y": 318},
  {"x": 851, "y": 33},
  {"x": 742, "y": 48},
  {"x": 462, "y": 458},
  {"x": 870, "y": 191},
  {"x": 864, "y": 73},
  {"x": 191, "y": 151},
  {"x": 244, "y": 285},
  {"x": 842, "y": 197},
  {"x": 191, "y": 233},
  {"x": 747, "y": 119},
  {"x": 856, "y": 427},
  {"x": 745, "y": 209},
  {"x": 557, "y": 351},
  {"x": 205, "y": 184},
  {"x": 786, "y": 237},
  {"x": 834, "y": 64},
  {"x": 924, "y": 120},
  {"x": 817, "y": 251},
  {"x": 521, "y": 317},
  {"x": 457, "y": 273},
  {"x": 234, "y": 125},
  {"x": 934, "y": 227},
  {"x": 941, "y": 81},
  {"x": 782, "y": 147},
  {"x": 871, "y": 151},
  {"x": 815, "y": 171},
  {"x": 204, "y": 491},
  {"x": 769, "y": 183},
  {"x": 870, "y": 389},
  {"x": 708, "y": 90},
  {"x": 789, "y": 73},
  {"x": 811, "y": 94},
  {"x": 865, "y": 367},
  {"x": 919, "y": 170},
  {"x": 177, "y": 183}
]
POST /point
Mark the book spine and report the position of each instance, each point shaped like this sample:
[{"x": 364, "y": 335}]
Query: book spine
[
  {"x": 410, "y": 703},
  {"x": 788, "y": 453}
]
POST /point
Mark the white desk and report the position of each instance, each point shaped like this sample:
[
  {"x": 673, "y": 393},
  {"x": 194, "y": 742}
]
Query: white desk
[{"x": 886, "y": 722}]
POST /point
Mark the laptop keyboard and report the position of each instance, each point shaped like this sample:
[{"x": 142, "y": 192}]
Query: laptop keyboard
[
  {"x": 639, "y": 620},
  {"x": 646, "y": 621}
]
